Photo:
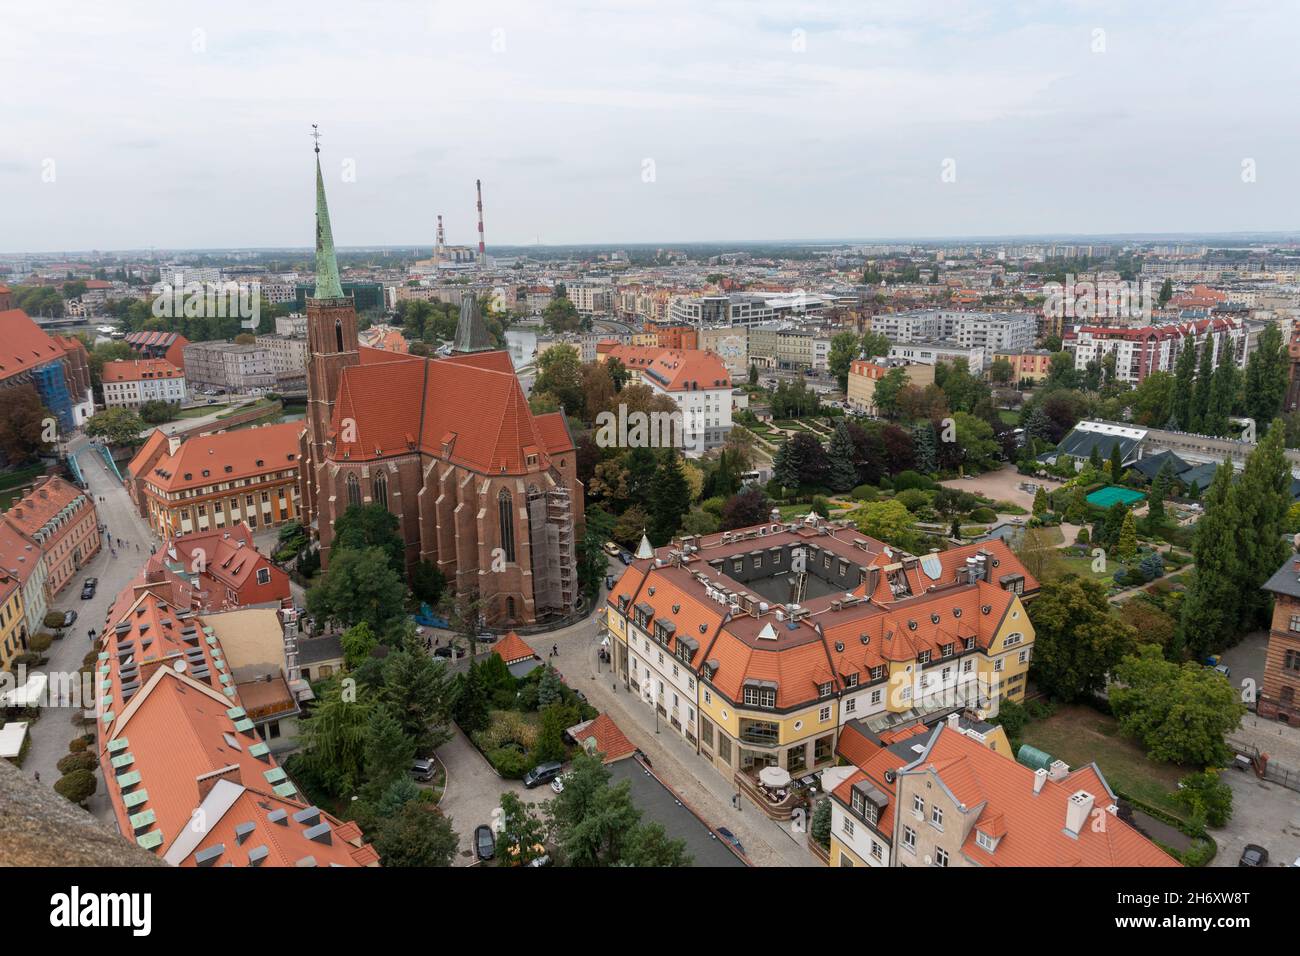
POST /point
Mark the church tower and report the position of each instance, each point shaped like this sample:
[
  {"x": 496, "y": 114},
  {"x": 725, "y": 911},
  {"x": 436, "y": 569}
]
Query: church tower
[
  {"x": 471, "y": 334},
  {"x": 331, "y": 347}
]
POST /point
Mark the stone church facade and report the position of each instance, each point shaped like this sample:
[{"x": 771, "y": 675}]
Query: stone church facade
[{"x": 482, "y": 488}]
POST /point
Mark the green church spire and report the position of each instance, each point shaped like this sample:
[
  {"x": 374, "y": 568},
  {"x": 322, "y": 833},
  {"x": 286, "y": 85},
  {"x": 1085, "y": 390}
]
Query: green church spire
[{"x": 327, "y": 266}]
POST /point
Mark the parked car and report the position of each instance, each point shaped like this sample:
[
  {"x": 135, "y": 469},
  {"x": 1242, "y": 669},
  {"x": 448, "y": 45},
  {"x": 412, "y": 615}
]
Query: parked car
[
  {"x": 69, "y": 619},
  {"x": 1253, "y": 855},
  {"x": 542, "y": 773},
  {"x": 1223, "y": 669},
  {"x": 485, "y": 842},
  {"x": 609, "y": 582},
  {"x": 88, "y": 589},
  {"x": 612, "y": 549},
  {"x": 625, "y": 557},
  {"x": 730, "y": 837},
  {"x": 422, "y": 769},
  {"x": 446, "y": 651}
]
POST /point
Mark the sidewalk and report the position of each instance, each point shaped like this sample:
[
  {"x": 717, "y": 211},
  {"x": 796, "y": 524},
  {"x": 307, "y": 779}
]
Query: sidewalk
[{"x": 767, "y": 843}]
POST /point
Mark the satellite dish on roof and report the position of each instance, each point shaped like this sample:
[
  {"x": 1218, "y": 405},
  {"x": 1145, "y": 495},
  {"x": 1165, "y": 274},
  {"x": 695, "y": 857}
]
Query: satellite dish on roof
[{"x": 179, "y": 667}]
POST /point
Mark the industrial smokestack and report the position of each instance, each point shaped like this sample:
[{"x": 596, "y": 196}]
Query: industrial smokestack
[
  {"x": 482, "y": 251},
  {"x": 441, "y": 240}
]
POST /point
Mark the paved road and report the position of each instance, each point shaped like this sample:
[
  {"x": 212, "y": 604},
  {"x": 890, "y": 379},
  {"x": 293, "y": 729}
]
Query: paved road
[
  {"x": 51, "y": 734},
  {"x": 473, "y": 792}
]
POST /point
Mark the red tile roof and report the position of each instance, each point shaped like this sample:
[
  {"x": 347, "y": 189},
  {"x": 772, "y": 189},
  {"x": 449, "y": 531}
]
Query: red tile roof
[
  {"x": 225, "y": 456},
  {"x": 24, "y": 345},
  {"x": 609, "y": 740},
  {"x": 121, "y": 370},
  {"x": 512, "y": 648}
]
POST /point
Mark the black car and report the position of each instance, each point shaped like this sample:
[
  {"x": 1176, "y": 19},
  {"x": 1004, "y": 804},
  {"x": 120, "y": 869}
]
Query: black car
[
  {"x": 542, "y": 773},
  {"x": 730, "y": 837},
  {"x": 485, "y": 843},
  {"x": 69, "y": 619},
  {"x": 1253, "y": 855},
  {"x": 625, "y": 557},
  {"x": 446, "y": 651},
  {"x": 88, "y": 588}
]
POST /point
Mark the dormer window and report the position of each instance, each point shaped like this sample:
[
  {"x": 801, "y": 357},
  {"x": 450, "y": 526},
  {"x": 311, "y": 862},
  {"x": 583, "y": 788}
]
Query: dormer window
[
  {"x": 984, "y": 841},
  {"x": 923, "y": 657},
  {"x": 824, "y": 689}
]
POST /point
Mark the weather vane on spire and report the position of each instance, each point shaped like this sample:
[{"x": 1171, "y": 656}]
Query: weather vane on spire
[{"x": 315, "y": 134}]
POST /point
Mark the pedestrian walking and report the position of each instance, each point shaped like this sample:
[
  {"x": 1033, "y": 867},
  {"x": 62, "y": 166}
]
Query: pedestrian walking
[
  {"x": 555, "y": 650},
  {"x": 38, "y": 776}
]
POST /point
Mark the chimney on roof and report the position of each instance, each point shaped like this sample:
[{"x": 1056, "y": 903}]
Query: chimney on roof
[
  {"x": 209, "y": 780},
  {"x": 1077, "y": 811},
  {"x": 1058, "y": 770},
  {"x": 173, "y": 444},
  {"x": 954, "y": 721},
  {"x": 1040, "y": 778}
]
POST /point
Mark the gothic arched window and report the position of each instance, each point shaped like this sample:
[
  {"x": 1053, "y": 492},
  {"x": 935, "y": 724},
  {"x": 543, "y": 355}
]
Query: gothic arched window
[
  {"x": 381, "y": 489},
  {"x": 505, "y": 512},
  {"x": 510, "y": 608},
  {"x": 338, "y": 333},
  {"x": 354, "y": 491}
]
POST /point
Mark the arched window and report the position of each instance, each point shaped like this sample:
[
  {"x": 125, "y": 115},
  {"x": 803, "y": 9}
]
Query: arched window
[
  {"x": 510, "y": 608},
  {"x": 338, "y": 333},
  {"x": 505, "y": 512},
  {"x": 381, "y": 489},
  {"x": 354, "y": 491}
]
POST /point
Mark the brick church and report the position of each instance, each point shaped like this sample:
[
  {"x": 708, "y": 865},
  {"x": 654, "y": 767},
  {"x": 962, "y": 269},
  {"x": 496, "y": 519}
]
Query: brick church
[{"x": 483, "y": 489}]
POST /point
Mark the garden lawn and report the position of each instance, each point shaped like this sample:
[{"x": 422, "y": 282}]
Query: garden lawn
[
  {"x": 1083, "y": 568},
  {"x": 1079, "y": 735}
]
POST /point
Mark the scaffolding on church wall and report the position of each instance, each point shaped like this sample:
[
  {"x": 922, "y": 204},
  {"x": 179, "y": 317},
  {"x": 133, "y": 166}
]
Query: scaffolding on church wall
[{"x": 554, "y": 556}]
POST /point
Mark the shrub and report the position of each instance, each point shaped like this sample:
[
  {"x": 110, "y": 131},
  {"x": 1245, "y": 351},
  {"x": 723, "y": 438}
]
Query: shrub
[
  {"x": 865, "y": 493},
  {"x": 77, "y": 761},
  {"x": 41, "y": 642},
  {"x": 1082, "y": 537},
  {"x": 79, "y": 744},
  {"x": 1205, "y": 795},
  {"x": 510, "y": 762},
  {"x": 1200, "y": 853},
  {"x": 984, "y": 515},
  {"x": 506, "y": 727},
  {"x": 77, "y": 786},
  {"x": 913, "y": 499},
  {"x": 53, "y": 620},
  {"x": 911, "y": 479}
]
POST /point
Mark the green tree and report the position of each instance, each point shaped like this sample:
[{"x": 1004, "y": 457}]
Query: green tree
[
  {"x": 1180, "y": 416},
  {"x": 821, "y": 823},
  {"x": 360, "y": 585},
  {"x": 1159, "y": 492},
  {"x": 428, "y": 583},
  {"x": 1180, "y": 712},
  {"x": 418, "y": 835},
  {"x": 1077, "y": 639},
  {"x": 550, "y": 737},
  {"x": 1077, "y": 511},
  {"x": 1206, "y": 797},
  {"x": 650, "y": 846},
  {"x": 1266, "y": 376},
  {"x": 593, "y": 822},
  {"x": 887, "y": 390},
  {"x": 1116, "y": 463},
  {"x": 559, "y": 373},
  {"x": 887, "y": 521},
  {"x": 550, "y": 689},
  {"x": 388, "y": 752},
  {"x": 117, "y": 426},
  {"x": 1166, "y": 292},
  {"x": 1262, "y": 497},
  {"x": 1040, "y": 501},
  {"x": 1126, "y": 547},
  {"x": 24, "y": 424},
  {"x": 1201, "y": 393},
  {"x": 358, "y": 642},
  {"x": 333, "y": 740},
  {"x": 844, "y": 349},
  {"x": 561, "y": 315},
  {"x": 842, "y": 474},
  {"x": 670, "y": 498},
  {"x": 523, "y": 833},
  {"x": 371, "y": 526},
  {"x": 1223, "y": 392},
  {"x": 1211, "y": 607},
  {"x": 421, "y": 693},
  {"x": 470, "y": 707}
]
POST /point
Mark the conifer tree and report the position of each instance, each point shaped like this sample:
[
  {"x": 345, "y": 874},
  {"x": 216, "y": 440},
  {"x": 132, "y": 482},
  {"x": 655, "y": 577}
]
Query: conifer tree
[
  {"x": 1223, "y": 392},
  {"x": 1262, "y": 497},
  {"x": 1184, "y": 380},
  {"x": 1126, "y": 549},
  {"x": 843, "y": 473},
  {"x": 1201, "y": 393},
  {"x": 1266, "y": 376},
  {"x": 670, "y": 499},
  {"x": 1211, "y": 608},
  {"x": 1159, "y": 491},
  {"x": 1116, "y": 463}
]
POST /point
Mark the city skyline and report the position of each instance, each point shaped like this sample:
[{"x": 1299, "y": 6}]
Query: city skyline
[{"x": 820, "y": 122}]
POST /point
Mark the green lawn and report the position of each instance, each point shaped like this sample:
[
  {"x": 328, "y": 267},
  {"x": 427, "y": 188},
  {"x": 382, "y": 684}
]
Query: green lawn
[
  {"x": 198, "y": 411},
  {"x": 13, "y": 481},
  {"x": 1008, "y": 416},
  {"x": 1083, "y": 568},
  {"x": 1080, "y": 735}
]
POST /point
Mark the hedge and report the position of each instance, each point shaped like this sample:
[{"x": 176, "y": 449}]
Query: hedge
[{"x": 77, "y": 786}]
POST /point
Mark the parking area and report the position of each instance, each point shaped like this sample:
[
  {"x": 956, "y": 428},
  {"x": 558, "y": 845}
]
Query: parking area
[
  {"x": 1246, "y": 660},
  {"x": 473, "y": 792},
  {"x": 1266, "y": 814},
  {"x": 658, "y": 805}
]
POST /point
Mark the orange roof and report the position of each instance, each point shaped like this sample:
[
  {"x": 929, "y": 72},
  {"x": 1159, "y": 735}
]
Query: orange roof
[
  {"x": 122, "y": 370},
  {"x": 467, "y": 409},
  {"x": 48, "y": 497},
  {"x": 24, "y": 345},
  {"x": 19, "y": 554},
  {"x": 225, "y": 456},
  {"x": 1031, "y": 826},
  {"x": 512, "y": 648},
  {"x": 610, "y": 741},
  {"x": 674, "y": 370}
]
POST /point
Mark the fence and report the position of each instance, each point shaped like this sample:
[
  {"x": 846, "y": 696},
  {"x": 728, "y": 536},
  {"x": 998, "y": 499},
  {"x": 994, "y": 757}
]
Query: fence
[{"x": 1266, "y": 768}]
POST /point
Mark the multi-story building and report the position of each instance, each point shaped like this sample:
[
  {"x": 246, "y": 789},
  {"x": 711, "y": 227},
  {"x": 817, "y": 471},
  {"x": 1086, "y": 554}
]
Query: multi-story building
[
  {"x": 944, "y": 797},
  {"x": 14, "y": 633},
  {"x": 21, "y": 558},
  {"x": 1279, "y": 692},
  {"x": 731, "y": 343},
  {"x": 56, "y": 368},
  {"x": 756, "y": 645},
  {"x": 1155, "y": 348},
  {"x": 61, "y": 520},
  {"x": 159, "y": 345},
  {"x": 288, "y": 354},
  {"x": 782, "y": 345},
  {"x": 223, "y": 568},
  {"x": 591, "y": 299},
  {"x": 919, "y": 352},
  {"x": 177, "y": 742},
  {"x": 230, "y": 366},
  {"x": 983, "y": 330},
  {"x": 130, "y": 384},
  {"x": 1031, "y": 365},
  {"x": 698, "y": 383},
  {"x": 865, "y": 373},
  {"x": 249, "y": 476}
]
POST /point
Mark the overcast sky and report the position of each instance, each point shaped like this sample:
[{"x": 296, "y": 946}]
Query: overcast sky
[{"x": 186, "y": 124}]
